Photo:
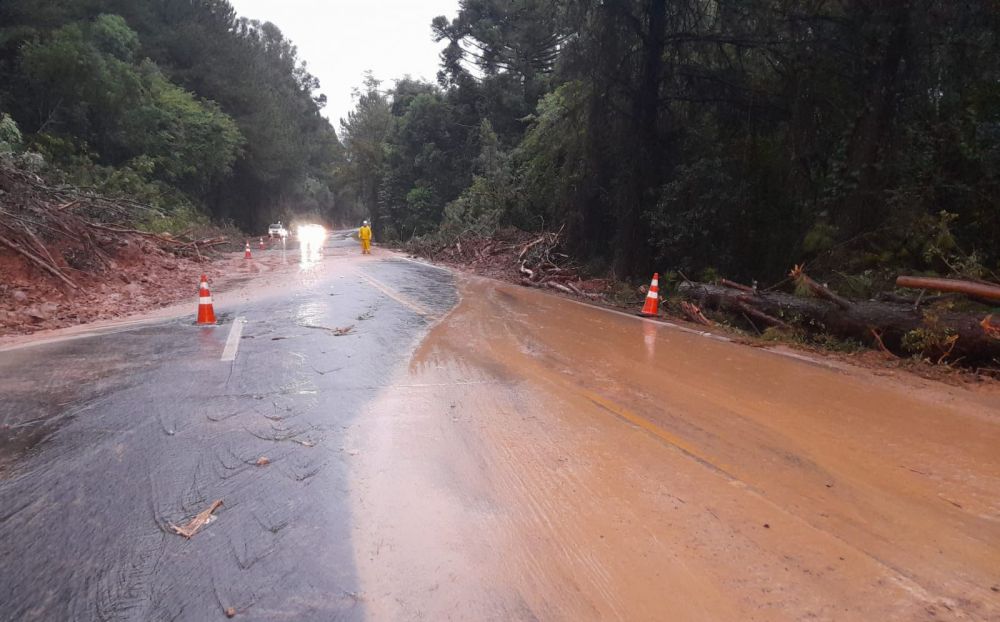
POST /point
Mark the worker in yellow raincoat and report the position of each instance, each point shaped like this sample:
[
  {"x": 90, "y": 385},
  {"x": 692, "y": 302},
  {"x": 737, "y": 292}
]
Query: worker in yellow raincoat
[{"x": 365, "y": 235}]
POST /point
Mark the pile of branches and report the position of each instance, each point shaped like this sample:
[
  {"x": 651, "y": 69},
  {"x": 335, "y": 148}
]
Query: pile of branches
[
  {"x": 894, "y": 324},
  {"x": 62, "y": 229},
  {"x": 541, "y": 265},
  {"x": 531, "y": 259}
]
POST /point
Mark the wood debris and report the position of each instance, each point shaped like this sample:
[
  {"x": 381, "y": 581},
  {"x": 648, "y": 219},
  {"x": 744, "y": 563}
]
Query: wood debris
[
  {"x": 65, "y": 249},
  {"x": 978, "y": 290},
  {"x": 820, "y": 291},
  {"x": 336, "y": 332},
  {"x": 989, "y": 328},
  {"x": 197, "y": 522},
  {"x": 693, "y": 313},
  {"x": 529, "y": 259},
  {"x": 888, "y": 326}
]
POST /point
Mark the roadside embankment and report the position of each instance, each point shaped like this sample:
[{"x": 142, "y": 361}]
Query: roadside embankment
[
  {"x": 933, "y": 335},
  {"x": 70, "y": 257}
]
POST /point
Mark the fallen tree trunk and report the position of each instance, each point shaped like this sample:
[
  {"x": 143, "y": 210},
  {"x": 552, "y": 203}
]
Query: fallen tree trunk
[
  {"x": 892, "y": 322},
  {"x": 739, "y": 286},
  {"x": 969, "y": 288},
  {"x": 820, "y": 291}
]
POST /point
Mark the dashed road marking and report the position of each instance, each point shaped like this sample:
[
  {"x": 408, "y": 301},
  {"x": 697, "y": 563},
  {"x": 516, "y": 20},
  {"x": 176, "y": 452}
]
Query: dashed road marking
[
  {"x": 424, "y": 264},
  {"x": 233, "y": 341},
  {"x": 388, "y": 291}
]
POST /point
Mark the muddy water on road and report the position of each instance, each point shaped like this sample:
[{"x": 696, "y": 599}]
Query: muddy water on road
[{"x": 541, "y": 459}]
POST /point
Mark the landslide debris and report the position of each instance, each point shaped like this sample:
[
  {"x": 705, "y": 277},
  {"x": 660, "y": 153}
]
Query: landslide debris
[
  {"x": 516, "y": 256},
  {"x": 70, "y": 256}
]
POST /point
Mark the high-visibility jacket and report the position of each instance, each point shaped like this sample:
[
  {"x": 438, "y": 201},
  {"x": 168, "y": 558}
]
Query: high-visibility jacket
[{"x": 365, "y": 233}]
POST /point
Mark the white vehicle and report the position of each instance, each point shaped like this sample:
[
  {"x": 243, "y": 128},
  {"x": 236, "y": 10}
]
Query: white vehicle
[{"x": 277, "y": 231}]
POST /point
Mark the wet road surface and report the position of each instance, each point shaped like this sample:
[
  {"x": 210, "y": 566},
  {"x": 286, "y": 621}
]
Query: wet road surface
[
  {"x": 476, "y": 451},
  {"x": 110, "y": 440}
]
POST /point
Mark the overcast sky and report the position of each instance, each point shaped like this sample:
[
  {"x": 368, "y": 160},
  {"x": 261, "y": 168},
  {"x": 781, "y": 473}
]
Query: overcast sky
[{"x": 340, "y": 39}]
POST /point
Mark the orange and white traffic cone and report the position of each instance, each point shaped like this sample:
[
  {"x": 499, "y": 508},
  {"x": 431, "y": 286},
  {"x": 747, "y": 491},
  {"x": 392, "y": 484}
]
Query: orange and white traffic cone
[
  {"x": 206, "y": 313},
  {"x": 652, "y": 305},
  {"x": 246, "y": 253},
  {"x": 262, "y": 244}
]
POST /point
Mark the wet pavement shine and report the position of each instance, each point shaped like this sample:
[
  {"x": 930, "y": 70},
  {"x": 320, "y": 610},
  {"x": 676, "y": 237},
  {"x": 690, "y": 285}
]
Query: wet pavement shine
[
  {"x": 472, "y": 450},
  {"x": 109, "y": 440}
]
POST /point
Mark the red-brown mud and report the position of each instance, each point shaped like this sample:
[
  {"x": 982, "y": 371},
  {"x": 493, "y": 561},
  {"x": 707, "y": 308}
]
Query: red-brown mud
[
  {"x": 541, "y": 459},
  {"x": 143, "y": 278}
]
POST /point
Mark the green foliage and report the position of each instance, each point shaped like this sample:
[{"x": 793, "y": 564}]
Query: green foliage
[
  {"x": 863, "y": 285},
  {"x": 10, "y": 134},
  {"x": 491, "y": 201},
  {"x": 365, "y": 133},
  {"x": 862, "y": 138},
  {"x": 184, "y": 99},
  {"x": 820, "y": 238},
  {"x": 112, "y": 36},
  {"x": 181, "y": 220},
  {"x": 836, "y": 344},
  {"x": 552, "y": 165},
  {"x": 191, "y": 143},
  {"x": 933, "y": 339},
  {"x": 665, "y": 135},
  {"x": 418, "y": 168}
]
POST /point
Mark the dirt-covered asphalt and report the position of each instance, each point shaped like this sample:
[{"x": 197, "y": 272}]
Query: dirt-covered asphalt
[{"x": 471, "y": 450}]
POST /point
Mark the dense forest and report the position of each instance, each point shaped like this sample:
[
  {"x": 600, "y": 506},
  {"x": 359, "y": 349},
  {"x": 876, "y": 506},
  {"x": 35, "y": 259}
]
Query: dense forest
[
  {"x": 737, "y": 136},
  {"x": 178, "y": 103},
  {"x": 734, "y": 137}
]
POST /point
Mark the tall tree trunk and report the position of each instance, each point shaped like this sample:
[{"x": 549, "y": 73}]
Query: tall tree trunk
[
  {"x": 633, "y": 253},
  {"x": 862, "y": 207}
]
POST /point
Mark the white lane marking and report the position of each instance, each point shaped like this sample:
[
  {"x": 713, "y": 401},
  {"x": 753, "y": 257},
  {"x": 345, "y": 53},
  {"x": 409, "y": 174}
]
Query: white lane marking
[
  {"x": 385, "y": 289},
  {"x": 233, "y": 341},
  {"x": 424, "y": 264}
]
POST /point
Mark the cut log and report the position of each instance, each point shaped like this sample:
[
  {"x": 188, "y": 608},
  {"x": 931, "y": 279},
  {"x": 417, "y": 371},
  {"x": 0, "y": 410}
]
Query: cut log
[
  {"x": 974, "y": 343},
  {"x": 986, "y": 291},
  {"x": 735, "y": 285}
]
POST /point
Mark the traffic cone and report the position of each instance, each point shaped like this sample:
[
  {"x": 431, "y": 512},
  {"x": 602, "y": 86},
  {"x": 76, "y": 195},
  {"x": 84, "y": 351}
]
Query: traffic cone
[
  {"x": 652, "y": 305},
  {"x": 262, "y": 244},
  {"x": 246, "y": 254},
  {"x": 206, "y": 314}
]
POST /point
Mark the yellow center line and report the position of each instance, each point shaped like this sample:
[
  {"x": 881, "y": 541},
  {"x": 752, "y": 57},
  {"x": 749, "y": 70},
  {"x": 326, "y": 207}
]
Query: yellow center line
[{"x": 658, "y": 431}]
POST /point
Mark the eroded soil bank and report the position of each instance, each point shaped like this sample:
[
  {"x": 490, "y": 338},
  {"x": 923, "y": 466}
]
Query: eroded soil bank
[{"x": 541, "y": 459}]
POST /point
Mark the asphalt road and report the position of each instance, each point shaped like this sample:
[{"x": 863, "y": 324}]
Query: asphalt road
[
  {"x": 108, "y": 440},
  {"x": 471, "y": 450}
]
